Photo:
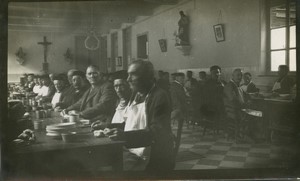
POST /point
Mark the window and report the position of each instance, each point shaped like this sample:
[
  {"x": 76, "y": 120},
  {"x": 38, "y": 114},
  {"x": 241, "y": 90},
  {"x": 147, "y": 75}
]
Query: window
[
  {"x": 142, "y": 45},
  {"x": 283, "y": 34}
]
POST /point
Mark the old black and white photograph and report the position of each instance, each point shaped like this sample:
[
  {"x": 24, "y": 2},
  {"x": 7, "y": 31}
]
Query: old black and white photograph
[{"x": 149, "y": 89}]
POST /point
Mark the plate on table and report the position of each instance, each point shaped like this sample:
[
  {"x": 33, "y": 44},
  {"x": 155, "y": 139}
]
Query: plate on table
[
  {"x": 53, "y": 134},
  {"x": 61, "y": 125}
]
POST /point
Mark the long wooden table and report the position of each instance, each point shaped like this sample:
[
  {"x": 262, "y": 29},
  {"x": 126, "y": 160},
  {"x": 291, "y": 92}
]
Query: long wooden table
[
  {"x": 275, "y": 111},
  {"x": 85, "y": 155}
]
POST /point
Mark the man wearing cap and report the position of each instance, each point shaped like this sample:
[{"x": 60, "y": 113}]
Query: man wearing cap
[{"x": 99, "y": 101}]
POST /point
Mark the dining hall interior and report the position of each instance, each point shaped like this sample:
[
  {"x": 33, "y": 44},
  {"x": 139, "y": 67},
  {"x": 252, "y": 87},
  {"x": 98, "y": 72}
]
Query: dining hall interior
[{"x": 143, "y": 86}]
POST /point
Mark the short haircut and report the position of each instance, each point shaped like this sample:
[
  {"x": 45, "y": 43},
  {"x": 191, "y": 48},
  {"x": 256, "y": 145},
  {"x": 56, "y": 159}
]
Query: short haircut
[
  {"x": 215, "y": 67},
  {"x": 147, "y": 68},
  {"x": 248, "y": 73},
  {"x": 284, "y": 67},
  {"x": 237, "y": 70},
  {"x": 58, "y": 77},
  {"x": 179, "y": 74},
  {"x": 202, "y": 72},
  {"x": 31, "y": 74},
  {"x": 78, "y": 73},
  {"x": 189, "y": 72},
  {"x": 94, "y": 67},
  {"x": 45, "y": 76}
]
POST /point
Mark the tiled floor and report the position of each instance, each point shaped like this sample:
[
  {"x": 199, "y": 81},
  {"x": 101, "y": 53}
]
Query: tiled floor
[{"x": 215, "y": 151}]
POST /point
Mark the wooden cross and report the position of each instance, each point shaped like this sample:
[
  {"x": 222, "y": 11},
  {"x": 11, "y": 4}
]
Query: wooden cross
[{"x": 45, "y": 43}]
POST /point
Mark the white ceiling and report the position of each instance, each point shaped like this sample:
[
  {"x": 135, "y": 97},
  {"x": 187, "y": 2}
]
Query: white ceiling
[{"x": 80, "y": 15}]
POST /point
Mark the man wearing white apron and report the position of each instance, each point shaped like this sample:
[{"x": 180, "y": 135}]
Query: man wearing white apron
[{"x": 147, "y": 129}]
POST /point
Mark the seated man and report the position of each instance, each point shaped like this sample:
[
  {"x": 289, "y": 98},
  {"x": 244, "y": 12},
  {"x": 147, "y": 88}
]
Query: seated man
[
  {"x": 73, "y": 93},
  {"x": 148, "y": 116},
  {"x": 234, "y": 96},
  {"x": 30, "y": 83},
  {"x": 284, "y": 83},
  {"x": 123, "y": 91},
  {"x": 38, "y": 84},
  {"x": 211, "y": 98},
  {"x": 47, "y": 90},
  {"x": 98, "y": 102},
  {"x": 60, "y": 93},
  {"x": 235, "y": 99},
  {"x": 248, "y": 86}
]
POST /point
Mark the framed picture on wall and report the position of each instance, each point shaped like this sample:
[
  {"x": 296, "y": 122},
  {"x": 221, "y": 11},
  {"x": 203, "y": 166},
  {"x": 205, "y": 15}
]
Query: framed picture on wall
[
  {"x": 163, "y": 45},
  {"x": 219, "y": 32}
]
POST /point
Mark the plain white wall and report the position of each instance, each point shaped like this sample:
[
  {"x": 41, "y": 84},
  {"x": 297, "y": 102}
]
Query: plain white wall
[{"x": 35, "y": 53}]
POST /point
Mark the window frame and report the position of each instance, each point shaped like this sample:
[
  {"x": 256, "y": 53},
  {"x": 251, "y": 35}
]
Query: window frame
[{"x": 287, "y": 48}]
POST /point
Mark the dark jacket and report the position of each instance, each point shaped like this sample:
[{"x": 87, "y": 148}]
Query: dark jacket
[
  {"x": 234, "y": 100},
  {"x": 100, "y": 100},
  {"x": 211, "y": 97},
  {"x": 158, "y": 133},
  {"x": 178, "y": 97},
  {"x": 286, "y": 84},
  {"x": 70, "y": 96}
]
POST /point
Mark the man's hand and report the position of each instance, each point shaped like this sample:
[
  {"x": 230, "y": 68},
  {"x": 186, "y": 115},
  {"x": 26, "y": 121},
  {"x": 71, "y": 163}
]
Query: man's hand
[
  {"x": 64, "y": 112},
  {"x": 114, "y": 134},
  {"x": 98, "y": 125}
]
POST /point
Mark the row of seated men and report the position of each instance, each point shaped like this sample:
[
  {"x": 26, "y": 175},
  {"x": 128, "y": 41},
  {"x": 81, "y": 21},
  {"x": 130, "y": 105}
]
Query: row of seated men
[
  {"x": 214, "y": 99},
  {"x": 138, "y": 111}
]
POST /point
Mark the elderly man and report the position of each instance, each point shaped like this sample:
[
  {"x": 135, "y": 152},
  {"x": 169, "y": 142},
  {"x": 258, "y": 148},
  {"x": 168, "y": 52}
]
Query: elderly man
[
  {"x": 98, "y": 102},
  {"x": 235, "y": 100},
  {"x": 148, "y": 116}
]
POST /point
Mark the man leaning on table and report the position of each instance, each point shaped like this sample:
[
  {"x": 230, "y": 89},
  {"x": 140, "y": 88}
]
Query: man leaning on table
[
  {"x": 98, "y": 102},
  {"x": 149, "y": 109},
  {"x": 284, "y": 83}
]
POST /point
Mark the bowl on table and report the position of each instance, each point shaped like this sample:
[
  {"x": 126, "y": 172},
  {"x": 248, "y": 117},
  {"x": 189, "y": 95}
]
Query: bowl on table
[{"x": 69, "y": 136}]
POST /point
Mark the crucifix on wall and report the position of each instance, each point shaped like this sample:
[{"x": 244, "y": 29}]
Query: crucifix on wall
[{"x": 45, "y": 44}]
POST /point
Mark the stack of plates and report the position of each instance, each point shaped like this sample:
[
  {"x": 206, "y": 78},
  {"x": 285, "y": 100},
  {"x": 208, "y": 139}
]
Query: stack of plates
[{"x": 55, "y": 130}]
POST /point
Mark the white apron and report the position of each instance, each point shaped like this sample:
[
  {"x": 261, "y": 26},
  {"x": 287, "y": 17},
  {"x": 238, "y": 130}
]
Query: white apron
[{"x": 135, "y": 119}]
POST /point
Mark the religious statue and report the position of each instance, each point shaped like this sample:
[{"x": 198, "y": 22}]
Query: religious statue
[{"x": 182, "y": 35}]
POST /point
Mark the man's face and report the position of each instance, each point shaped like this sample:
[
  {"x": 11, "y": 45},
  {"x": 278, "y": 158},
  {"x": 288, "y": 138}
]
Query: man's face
[
  {"x": 51, "y": 77},
  {"x": 247, "y": 79},
  {"x": 45, "y": 81},
  {"x": 121, "y": 87},
  {"x": 216, "y": 74},
  {"x": 92, "y": 75},
  {"x": 77, "y": 82},
  {"x": 59, "y": 85},
  {"x": 30, "y": 78},
  {"x": 237, "y": 76},
  {"x": 134, "y": 77}
]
